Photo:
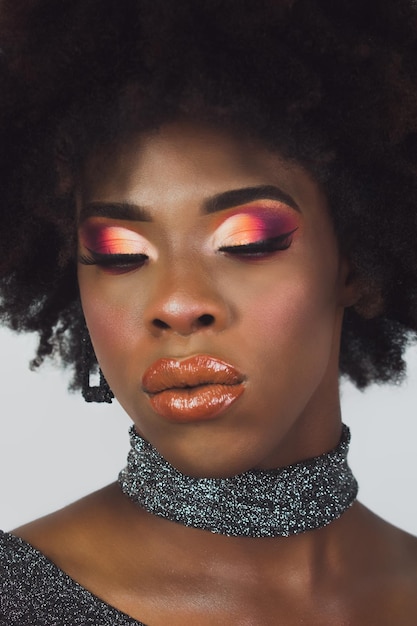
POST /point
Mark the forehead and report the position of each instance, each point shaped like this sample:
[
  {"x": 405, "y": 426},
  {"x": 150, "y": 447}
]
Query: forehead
[{"x": 185, "y": 161}]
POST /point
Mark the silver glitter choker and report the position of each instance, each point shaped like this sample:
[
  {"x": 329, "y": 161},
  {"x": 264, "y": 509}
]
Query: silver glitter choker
[{"x": 280, "y": 502}]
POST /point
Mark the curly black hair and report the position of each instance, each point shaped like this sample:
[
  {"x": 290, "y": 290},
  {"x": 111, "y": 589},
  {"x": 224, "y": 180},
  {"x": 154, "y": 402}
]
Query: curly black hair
[{"x": 330, "y": 85}]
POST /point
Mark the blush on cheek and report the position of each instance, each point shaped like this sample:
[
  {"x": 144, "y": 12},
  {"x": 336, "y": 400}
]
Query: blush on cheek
[
  {"x": 291, "y": 313},
  {"x": 108, "y": 324},
  {"x": 294, "y": 335}
]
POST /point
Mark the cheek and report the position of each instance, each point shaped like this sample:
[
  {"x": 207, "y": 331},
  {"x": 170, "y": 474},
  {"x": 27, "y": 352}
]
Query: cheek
[
  {"x": 111, "y": 320},
  {"x": 288, "y": 313},
  {"x": 291, "y": 341},
  {"x": 293, "y": 321}
]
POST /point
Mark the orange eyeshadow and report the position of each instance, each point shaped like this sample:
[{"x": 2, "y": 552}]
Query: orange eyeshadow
[
  {"x": 252, "y": 226},
  {"x": 107, "y": 239}
]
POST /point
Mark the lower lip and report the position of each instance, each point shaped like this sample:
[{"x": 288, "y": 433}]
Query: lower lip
[{"x": 195, "y": 403}]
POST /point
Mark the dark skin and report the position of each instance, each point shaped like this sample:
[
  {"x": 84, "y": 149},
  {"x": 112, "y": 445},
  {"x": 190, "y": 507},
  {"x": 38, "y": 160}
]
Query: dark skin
[{"x": 359, "y": 570}]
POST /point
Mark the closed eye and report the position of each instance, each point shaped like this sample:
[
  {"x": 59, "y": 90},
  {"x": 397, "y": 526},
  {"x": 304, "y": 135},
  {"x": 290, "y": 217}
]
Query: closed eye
[
  {"x": 261, "y": 248},
  {"x": 114, "y": 263}
]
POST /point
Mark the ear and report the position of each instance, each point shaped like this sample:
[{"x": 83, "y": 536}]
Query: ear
[
  {"x": 349, "y": 284},
  {"x": 364, "y": 296}
]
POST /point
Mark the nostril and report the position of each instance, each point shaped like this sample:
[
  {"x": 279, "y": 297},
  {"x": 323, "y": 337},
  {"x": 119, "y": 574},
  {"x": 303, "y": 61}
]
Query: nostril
[
  {"x": 206, "y": 319},
  {"x": 160, "y": 323},
  {"x": 184, "y": 325}
]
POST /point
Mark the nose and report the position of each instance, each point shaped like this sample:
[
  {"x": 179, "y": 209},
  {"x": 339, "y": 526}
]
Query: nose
[{"x": 185, "y": 303}]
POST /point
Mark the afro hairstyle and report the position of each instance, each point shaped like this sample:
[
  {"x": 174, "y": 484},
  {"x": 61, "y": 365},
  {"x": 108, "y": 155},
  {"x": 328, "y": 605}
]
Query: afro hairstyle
[{"x": 329, "y": 85}]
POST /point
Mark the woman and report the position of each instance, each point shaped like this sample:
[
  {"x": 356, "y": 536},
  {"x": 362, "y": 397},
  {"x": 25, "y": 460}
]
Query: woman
[{"x": 229, "y": 180}]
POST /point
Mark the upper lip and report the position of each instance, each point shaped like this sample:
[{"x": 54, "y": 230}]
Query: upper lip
[{"x": 201, "y": 369}]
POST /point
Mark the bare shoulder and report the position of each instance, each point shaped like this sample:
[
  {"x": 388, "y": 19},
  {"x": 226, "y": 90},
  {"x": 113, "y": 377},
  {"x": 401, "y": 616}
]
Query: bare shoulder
[
  {"x": 75, "y": 529},
  {"x": 388, "y": 546},
  {"x": 90, "y": 540},
  {"x": 393, "y": 540},
  {"x": 383, "y": 569},
  {"x": 86, "y": 506},
  {"x": 105, "y": 542}
]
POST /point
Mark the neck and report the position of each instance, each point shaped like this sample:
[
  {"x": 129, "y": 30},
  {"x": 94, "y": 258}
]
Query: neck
[
  {"x": 276, "y": 503},
  {"x": 195, "y": 551}
]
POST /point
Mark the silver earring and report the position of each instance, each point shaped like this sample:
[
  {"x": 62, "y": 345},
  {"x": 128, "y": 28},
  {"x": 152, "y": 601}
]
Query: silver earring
[{"x": 102, "y": 391}]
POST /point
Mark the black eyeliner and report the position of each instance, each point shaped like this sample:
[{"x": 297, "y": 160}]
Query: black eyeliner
[{"x": 259, "y": 247}]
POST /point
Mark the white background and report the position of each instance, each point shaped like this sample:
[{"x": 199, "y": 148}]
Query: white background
[{"x": 55, "y": 448}]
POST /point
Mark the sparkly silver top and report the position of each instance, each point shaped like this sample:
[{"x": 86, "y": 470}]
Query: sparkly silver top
[
  {"x": 34, "y": 592},
  {"x": 281, "y": 502}
]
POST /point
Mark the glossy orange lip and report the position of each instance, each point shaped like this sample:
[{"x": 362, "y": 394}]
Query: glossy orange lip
[{"x": 196, "y": 388}]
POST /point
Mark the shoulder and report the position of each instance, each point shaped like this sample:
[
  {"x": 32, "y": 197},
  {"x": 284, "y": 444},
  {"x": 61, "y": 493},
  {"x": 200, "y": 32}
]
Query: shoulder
[
  {"x": 395, "y": 546},
  {"x": 383, "y": 567},
  {"x": 30, "y": 585},
  {"x": 61, "y": 535},
  {"x": 88, "y": 539},
  {"x": 18, "y": 559},
  {"x": 16, "y": 576},
  {"x": 15, "y": 557},
  {"x": 36, "y": 587},
  {"x": 384, "y": 544}
]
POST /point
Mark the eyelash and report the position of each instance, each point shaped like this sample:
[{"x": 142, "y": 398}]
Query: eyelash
[
  {"x": 122, "y": 263},
  {"x": 261, "y": 248},
  {"x": 119, "y": 263}
]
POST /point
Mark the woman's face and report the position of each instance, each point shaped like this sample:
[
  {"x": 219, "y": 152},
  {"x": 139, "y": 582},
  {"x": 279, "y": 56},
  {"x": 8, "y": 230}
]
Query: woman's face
[{"x": 213, "y": 291}]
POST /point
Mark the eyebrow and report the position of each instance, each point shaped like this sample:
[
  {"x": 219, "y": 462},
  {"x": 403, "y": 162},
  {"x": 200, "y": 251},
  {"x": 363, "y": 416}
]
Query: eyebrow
[
  {"x": 219, "y": 202},
  {"x": 115, "y": 210},
  {"x": 229, "y": 199}
]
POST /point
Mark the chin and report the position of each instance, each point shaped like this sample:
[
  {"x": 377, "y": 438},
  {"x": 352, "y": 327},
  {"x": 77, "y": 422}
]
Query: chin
[{"x": 212, "y": 455}]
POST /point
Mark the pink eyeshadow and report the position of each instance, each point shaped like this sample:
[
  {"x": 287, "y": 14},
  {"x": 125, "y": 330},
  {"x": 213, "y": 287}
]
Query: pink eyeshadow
[
  {"x": 112, "y": 239},
  {"x": 248, "y": 227}
]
